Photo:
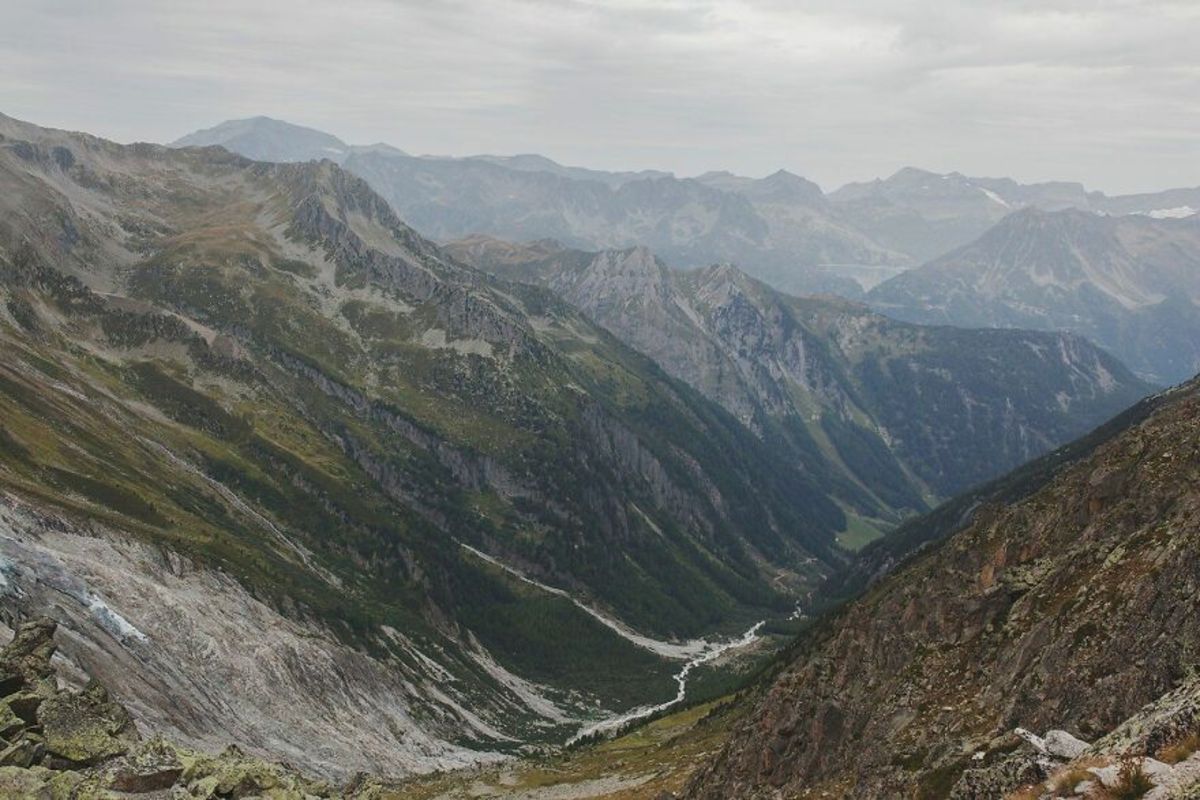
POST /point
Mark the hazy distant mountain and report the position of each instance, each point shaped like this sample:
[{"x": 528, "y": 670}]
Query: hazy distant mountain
[
  {"x": 266, "y": 139},
  {"x": 780, "y": 228},
  {"x": 534, "y": 163},
  {"x": 1130, "y": 284},
  {"x": 1170, "y": 204},
  {"x": 781, "y": 187},
  {"x": 926, "y": 214},
  {"x": 904, "y": 413}
]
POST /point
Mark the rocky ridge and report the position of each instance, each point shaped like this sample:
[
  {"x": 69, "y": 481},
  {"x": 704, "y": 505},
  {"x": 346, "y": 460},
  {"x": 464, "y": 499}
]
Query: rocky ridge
[
  {"x": 1071, "y": 608},
  {"x": 779, "y": 227},
  {"x": 900, "y": 414},
  {"x": 1127, "y": 283}
]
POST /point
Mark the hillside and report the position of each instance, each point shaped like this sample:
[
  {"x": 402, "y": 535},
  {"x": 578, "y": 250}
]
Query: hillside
[
  {"x": 255, "y": 433},
  {"x": 1131, "y": 284},
  {"x": 1068, "y": 606},
  {"x": 901, "y": 415}
]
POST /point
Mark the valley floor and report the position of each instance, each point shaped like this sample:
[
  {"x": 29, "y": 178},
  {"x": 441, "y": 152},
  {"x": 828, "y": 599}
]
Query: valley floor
[{"x": 644, "y": 763}]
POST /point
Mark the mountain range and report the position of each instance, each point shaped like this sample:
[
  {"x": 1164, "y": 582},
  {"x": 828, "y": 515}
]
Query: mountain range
[
  {"x": 782, "y": 228},
  {"x": 285, "y": 472},
  {"x": 907, "y": 415},
  {"x": 259, "y": 433},
  {"x": 926, "y": 214},
  {"x": 1129, "y": 283},
  {"x": 273, "y": 455}
]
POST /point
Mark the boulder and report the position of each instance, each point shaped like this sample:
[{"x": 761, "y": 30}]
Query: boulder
[
  {"x": 1034, "y": 741},
  {"x": 86, "y": 728},
  {"x": 998, "y": 779},
  {"x": 152, "y": 768},
  {"x": 24, "y": 752},
  {"x": 25, "y": 706},
  {"x": 1061, "y": 744},
  {"x": 38, "y": 783},
  {"x": 10, "y": 681},
  {"x": 25, "y": 661},
  {"x": 10, "y": 723},
  {"x": 1107, "y": 776},
  {"x": 139, "y": 780}
]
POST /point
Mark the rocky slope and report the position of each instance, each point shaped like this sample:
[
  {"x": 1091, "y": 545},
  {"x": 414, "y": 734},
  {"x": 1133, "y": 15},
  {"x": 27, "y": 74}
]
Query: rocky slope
[
  {"x": 1070, "y": 606},
  {"x": 896, "y": 414},
  {"x": 1131, "y": 284},
  {"x": 239, "y": 397},
  {"x": 63, "y": 736}
]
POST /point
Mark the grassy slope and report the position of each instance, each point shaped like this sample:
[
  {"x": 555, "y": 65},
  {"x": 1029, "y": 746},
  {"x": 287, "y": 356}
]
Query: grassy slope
[{"x": 257, "y": 389}]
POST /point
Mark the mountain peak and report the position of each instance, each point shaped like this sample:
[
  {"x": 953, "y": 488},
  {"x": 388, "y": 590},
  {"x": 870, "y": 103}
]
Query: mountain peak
[
  {"x": 906, "y": 174},
  {"x": 267, "y": 139},
  {"x": 782, "y": 186}
]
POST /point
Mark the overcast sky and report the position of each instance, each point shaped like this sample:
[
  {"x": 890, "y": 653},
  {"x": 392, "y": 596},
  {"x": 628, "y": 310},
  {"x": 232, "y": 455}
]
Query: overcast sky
[{"x": 1102, "y": 91}]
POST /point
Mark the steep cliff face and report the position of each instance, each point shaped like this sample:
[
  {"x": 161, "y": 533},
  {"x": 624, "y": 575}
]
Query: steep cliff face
[
  {"x": 258, "y": 373},
  {"x": 898, "y": 414},
  {"x": 1071, "y": 607}
]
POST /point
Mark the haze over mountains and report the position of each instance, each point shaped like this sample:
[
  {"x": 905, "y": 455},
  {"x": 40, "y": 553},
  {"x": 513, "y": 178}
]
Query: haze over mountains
[
  {"x": 275, "y": 458},
  {"x": 784, "y": 230},
  {"x": 701, "y": 400}
]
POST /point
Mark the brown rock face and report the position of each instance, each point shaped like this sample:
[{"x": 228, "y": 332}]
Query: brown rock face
[{"x": 1072, "y": 609}]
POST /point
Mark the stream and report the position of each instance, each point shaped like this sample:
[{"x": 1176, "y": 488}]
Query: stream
[
  {"x": 695, "y": 651},
  {"x": 613, "y": 724}
]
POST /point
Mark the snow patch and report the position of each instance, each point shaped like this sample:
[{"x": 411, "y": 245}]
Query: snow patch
[
  {"x": 1179, "y": 212},
  {"x": 111, "y": 621},
  {"x": 995, "y": 198}
]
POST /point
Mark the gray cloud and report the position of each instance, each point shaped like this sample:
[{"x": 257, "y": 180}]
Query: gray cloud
[{"x": 1103, "y": 91}]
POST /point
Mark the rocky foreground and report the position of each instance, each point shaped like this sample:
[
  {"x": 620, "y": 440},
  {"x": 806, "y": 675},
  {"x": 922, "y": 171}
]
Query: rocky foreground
[{"x": 57, "y": 742}]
